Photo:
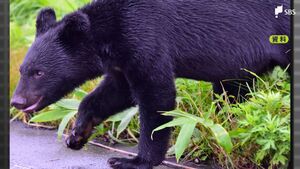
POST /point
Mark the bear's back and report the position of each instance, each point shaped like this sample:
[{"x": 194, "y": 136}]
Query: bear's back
[{"x": 223, "y": 36}]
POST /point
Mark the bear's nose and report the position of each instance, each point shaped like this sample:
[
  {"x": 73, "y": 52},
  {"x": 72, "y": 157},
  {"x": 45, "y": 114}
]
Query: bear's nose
[{"x": 18, "y": 102}]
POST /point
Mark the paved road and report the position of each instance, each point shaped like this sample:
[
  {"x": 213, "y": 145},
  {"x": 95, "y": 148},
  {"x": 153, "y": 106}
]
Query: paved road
[{"x": 32, "y": 148}]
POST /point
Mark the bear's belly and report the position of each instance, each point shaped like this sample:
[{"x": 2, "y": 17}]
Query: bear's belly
[{"x": 217, "y": 71}]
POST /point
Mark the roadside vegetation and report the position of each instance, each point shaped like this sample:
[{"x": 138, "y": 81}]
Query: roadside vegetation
[{"x": 253, "y": 134}]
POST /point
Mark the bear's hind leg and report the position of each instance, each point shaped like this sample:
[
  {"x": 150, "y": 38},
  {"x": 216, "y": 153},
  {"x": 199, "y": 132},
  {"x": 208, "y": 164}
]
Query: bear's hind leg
[
  {"x": 236, "y": 90},
  {"x": 155, "y": 95},
  {"x": 151, "y": 150}
]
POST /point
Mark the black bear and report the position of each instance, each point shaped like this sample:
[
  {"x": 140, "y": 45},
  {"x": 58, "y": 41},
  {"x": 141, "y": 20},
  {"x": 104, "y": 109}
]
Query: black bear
[{"x": 141, "y": 46}]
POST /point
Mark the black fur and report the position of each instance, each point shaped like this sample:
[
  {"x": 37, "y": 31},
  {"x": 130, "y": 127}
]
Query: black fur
[
  {"x": 45, "y": 19},
  {"x": 141, "y": 46}
]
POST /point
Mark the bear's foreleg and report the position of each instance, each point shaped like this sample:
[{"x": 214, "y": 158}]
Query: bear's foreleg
[{"x": 110, "y": 97}]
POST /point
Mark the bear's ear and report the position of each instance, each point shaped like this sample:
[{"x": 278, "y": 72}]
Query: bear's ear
[
  {"x": 76, "y": 25},
  {"x": 45, "y": 19}
]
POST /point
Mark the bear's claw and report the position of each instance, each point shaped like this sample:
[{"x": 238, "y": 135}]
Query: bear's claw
[
  {"x": 124, "y": 163},
  {"x": 75, "y": 142}
]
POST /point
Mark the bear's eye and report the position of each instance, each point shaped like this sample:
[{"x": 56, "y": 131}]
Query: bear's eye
[{"x": 37, "y": 74}]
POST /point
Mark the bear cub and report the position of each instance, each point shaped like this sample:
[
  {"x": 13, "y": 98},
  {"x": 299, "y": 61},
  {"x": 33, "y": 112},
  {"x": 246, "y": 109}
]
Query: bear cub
[{"x": 140, "y": 47}]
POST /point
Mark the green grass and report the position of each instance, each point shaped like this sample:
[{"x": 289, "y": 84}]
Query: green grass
[{"x": 253, "y": 134}]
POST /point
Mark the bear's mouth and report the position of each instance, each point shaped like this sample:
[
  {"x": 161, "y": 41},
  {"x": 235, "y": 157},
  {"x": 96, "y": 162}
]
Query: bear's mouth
[{"x": 34, "y": 107}]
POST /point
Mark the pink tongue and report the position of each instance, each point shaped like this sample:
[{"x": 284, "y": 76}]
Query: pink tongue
[{"x": 32, "y": 107}]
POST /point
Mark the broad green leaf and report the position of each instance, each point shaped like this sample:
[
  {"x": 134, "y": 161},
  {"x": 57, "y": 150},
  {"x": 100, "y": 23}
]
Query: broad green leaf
[
  {"x": 126, "y": 119},
  {"x": 64, "y": 123},
  {"x": 116, "y": 117},
  {"x": 80, "y": 93},
  {"x": 179, "y": 113},
  {"x": 184, "y": 138},
  {"x": 51, "y": 115},
  {"x": 237, "y": 132},
  {"x": 121, "y": 115},
  {"x": 205, "y": 122},
  {"x": 55, "y": 107},
  {"x": 222, "y": 137},
  {"x": 176, "y": 122},
  {"x": 71, "y": 104}
]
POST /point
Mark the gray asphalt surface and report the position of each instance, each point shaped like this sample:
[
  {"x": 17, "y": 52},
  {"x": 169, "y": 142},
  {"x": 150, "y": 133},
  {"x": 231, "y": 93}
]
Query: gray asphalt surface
[{"x": 33, "y": 148}]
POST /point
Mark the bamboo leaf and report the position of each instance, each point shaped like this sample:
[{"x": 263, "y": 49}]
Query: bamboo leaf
[
  {"x": 126, "y": 119},
  {"x": 120, "y": 116},
  {"x": 176, "y": 122},
  {"x": 51, "y": 115},
  {"x": 184, "y": 138},
  {"x": 222, "y": 137},
  {"x": 71, "y": 104},
  {"x": 80, "y": 93},
  {"x": 64, "y": 123}
]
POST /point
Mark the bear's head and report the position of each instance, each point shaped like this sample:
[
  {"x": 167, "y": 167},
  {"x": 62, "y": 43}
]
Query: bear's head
[{"x": 61, "y": 58}]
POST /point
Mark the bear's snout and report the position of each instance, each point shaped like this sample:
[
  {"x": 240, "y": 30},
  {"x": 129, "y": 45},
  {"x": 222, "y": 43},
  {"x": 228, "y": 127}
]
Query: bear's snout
[
  {"x": 27, "y": 104},
  {"x": 18, "y": 102}
]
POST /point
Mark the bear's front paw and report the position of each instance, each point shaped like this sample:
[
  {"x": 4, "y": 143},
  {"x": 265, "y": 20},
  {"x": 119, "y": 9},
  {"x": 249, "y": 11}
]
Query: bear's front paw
[
  {"x": 75, "y": 141},
  {"x": 124, "y": 163}
]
